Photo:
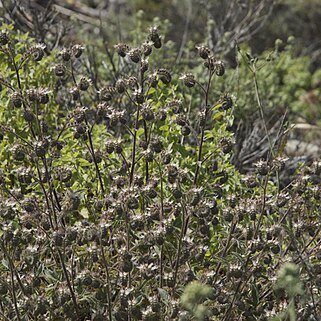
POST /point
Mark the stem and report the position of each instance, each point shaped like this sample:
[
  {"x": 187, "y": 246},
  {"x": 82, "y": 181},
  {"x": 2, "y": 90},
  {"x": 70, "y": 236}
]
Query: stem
[
  {"x": 95, "y": 160},
  {"x": 182, "y": 233},
  {"x": 134, "y": 147},
  {"x": 73, "y": 296},
  {"x": 262, "y": 111},
  {"x": 200, "y": 149},
  {"x": 161, "y": 223},
  {"x": 108, "y": 279}
]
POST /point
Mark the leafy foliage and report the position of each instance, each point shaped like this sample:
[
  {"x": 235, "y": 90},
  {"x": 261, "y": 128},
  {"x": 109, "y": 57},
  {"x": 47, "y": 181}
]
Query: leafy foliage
[{"x": 118, "y": 191}]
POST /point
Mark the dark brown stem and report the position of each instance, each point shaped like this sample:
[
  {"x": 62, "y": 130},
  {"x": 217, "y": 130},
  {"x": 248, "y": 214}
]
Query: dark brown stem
[{"x": 72, "y": 293}]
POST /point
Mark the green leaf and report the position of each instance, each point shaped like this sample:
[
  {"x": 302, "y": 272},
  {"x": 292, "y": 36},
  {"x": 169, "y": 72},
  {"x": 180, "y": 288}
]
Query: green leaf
[
  {"x": 163, "y": 295},
  {"x": 164, "y": 128},
  {"x": 84, "y": 212},
  {"x": 254, "y": 294}
]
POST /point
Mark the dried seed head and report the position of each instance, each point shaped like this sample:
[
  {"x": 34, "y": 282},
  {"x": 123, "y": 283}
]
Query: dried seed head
[
  {"x": 59, "y": 70},
  {"x": 37, "y": 52},
  {"x": 32, "y": 94},
  {"x": 156, "y": 145},
  {"x": 176, "y": 106},
  {"x": 226, "y": 101},
  {"x": 16, "y": 99},
  {"x": 84, "y": 83},
  {"x": 262, "y": 167},
  {"x": 189, "y": 80},
  {"x": 147, "y": 48},
  {"x": 28, "y": 115},
  {"x": 153, "y": 34},
  {"x": 139, "y": 97},
  {"x": 107, "y": 93},
  {"x": 227, "y": 145},
  {"x": 18, "y": 153},
  {"x": 120, "y": 86},
  {"x": 134, "y": 54},
  {"x": 161, "y": 114},
  {"x": 149, "y": 155},
  {"x": 181, "y": 120},
  {"x": 158, "y": 43},
  {"x": 122, "y": 49},
  {"x": 4, "y": 38},
  {"x": 110, "y": 146},
  {"x": 144, "y": 65},
  {"x": 132, "y": 82},
  {"x": 219, "y": 68},
  {"x": 40, "y": 149},
  {"x": 164, "y": 75},
  {"x": 75, "y": 93},
  {"x": 77, "y": 50},
  {"x": 43, "y": 96},
  {"x": 147, "y": 113},
  {"x": 65, "y": 54},
  {"x": 203, "y": 52},
  {"x": 186, "y": 130}
]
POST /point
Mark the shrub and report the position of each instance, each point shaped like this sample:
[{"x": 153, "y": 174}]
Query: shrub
[{"x": 117, "y": 193}]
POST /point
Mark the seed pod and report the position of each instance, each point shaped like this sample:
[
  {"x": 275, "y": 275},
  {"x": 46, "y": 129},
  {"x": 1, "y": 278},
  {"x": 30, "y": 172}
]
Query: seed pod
[
  {"x": 181, "y": 120},
  {"x": 189, "y": 80},
  {"x": 32, "y": 95},
  {"x": 120, "y": 86},
  {"x": 59, "y": 70},
  {"x": 43, "y": 96},
  {"x": 16, "y": 99},
  {"x": 153, "y": 80},
  {"x": 157, "y": 145},
  {"x": 118, "y": 148},
  {"x": 143, "y": 144},
  {"x": 203, "y": 52},
  {"x": 149, "y": 155},
  {"x": 77, "y": 50},
  {"x": 28, "y": 115},
  {"x": 161, "y": 115},
  {"x": 37, "y": 52},
  {"x": 227, "y": 145},
  {"x": 158, "y": 43},
  {"x": 110, "y": 147},
  {"x": 106, "y": 93},
  {"x": 4, "y": 38},
  {"x": 164, "y": 75},
  {"x": 147, "y": 113},
  {"x": 166, "y": 158},
  {"x": 226, "y": 101},
  {"x": 18, "y": 153},
  {"x": 144, "y": 66},
  {"x": 139, "y": 97},
  {"x": 134, "y": 55},
  {"x": 65, "y": 54},
  {"x": 75, "y": 93},
  {"x": 185, "y": 130},
  {"x": 40, "y": 149},
  {"x": 219, "y": 68},
  {"x": 175, "y": 106},
  {"x": 132, "y": 82},
  {"x": 147, "y": 49},
  {"x": 44, "y": 128},
  {"x": 177, "y": 193},
  {"x": 132, "y": 203},
  {"x": 84, "y": 84},
  {"x": 121, "y": 49},
  {"x": 153, "y": 34}
]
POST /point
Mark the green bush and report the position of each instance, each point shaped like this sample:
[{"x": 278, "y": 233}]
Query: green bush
[{"x": 117, "y": 193}]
